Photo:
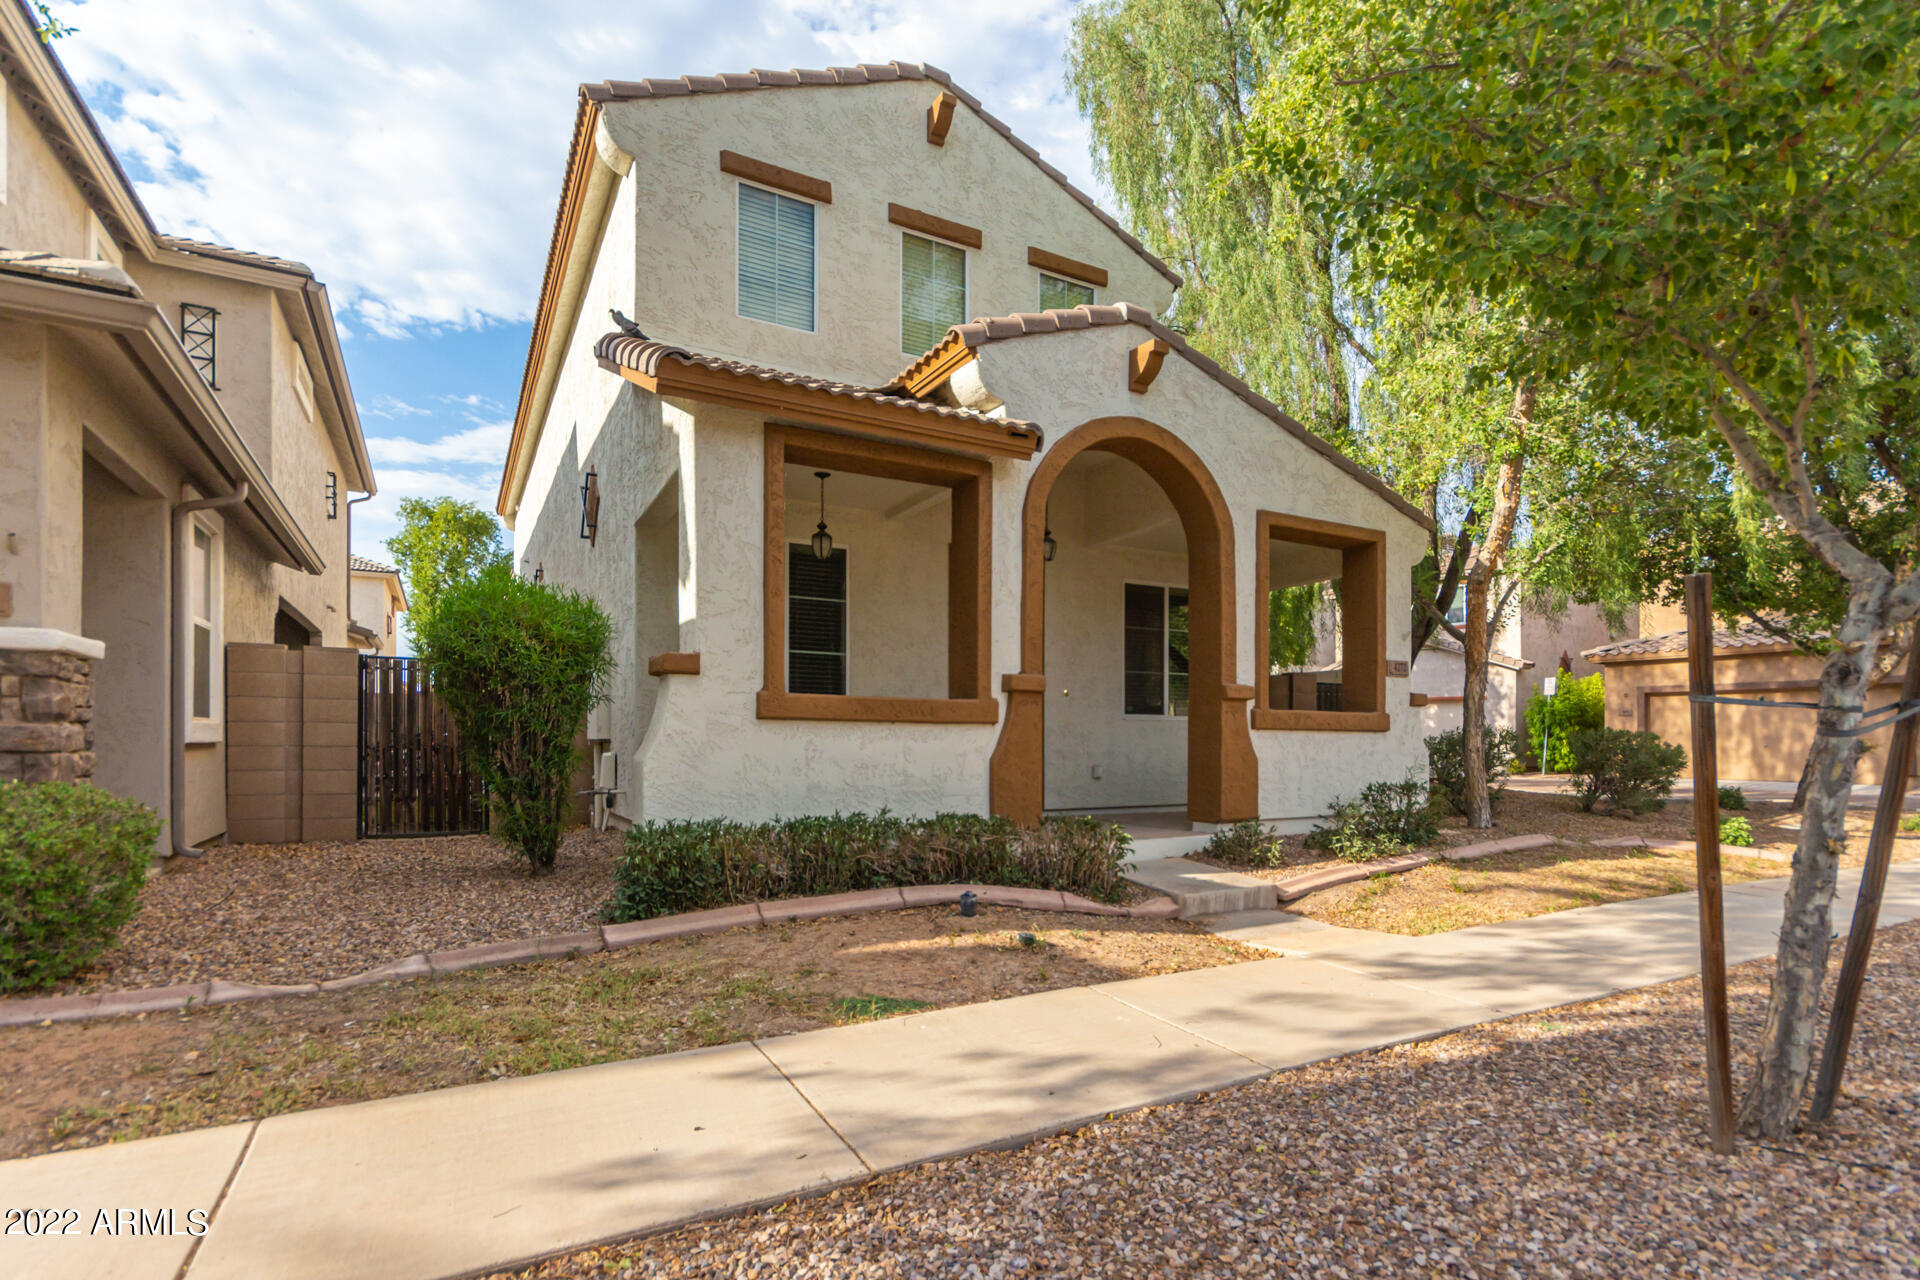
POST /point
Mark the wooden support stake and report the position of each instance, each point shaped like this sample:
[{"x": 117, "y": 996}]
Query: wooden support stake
[
  {"x": 1706, "y": 847},
  {"x": 1866, "y": 910}
]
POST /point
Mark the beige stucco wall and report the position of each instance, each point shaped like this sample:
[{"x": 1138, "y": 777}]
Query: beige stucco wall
[
  {"x": 40, "y": 207},
  {"x": 870, "y": 142},
  {"x": 1755, "y": 743},
  {"x": 373, "y": 606},
  {"x": 125, "y": 550},
  {"x": 303, "y": 454},
  {"x": 1443, "y": 674}
]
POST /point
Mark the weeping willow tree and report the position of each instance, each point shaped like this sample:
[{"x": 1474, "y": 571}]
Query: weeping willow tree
[{"x": 1166, "y": 87}]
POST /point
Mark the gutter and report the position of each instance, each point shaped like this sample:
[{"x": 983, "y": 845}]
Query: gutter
[{"x": 177, "y": 676}]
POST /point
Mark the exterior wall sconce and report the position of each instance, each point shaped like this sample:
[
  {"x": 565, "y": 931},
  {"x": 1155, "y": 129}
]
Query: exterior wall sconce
[
  {"x": 822, "y": 540},
  {"x": 540, "y": 573},
  {"x": 590, "y": 507},
  {"x": 333, "y": 496},
  {"x": 1051, "y": 546}
]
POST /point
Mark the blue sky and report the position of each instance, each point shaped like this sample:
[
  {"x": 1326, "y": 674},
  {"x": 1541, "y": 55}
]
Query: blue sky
[{"x": 411, "y": 154}]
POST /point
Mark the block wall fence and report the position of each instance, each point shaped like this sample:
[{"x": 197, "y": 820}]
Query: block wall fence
[{"x": 293, "y": 741}]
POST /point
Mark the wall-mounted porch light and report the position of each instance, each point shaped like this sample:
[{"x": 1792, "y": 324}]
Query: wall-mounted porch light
[
  {"x": 590, "y": 507},
  {"x": 1050, "y": 545},
  {"x": 822, "y": 540},
  {"x": 540, "y": 572}
]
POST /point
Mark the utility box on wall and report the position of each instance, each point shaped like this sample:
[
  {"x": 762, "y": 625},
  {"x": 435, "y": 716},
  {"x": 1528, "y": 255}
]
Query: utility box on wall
[{"x": 293, "y": 739}]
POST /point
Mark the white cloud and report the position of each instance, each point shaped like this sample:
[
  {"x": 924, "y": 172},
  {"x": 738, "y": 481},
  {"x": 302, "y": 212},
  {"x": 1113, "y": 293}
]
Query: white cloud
[
  {"x": 393, "y": 407},
  {"x": 485, "y": 444},
  {"x": 378, "y": 518},
  {"x": 411, "y": 154}
]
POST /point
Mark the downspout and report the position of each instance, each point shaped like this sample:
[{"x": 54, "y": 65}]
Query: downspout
[
  {"x": 349, "y": 613},
  {"x": 177, "y": 681}
]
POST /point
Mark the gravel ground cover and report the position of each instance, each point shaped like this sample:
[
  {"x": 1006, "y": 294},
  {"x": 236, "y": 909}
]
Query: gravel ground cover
[
  {"x": 1564, "y": 1144},
  {"x": 75, "y": 1084},
  {"x": 1575, "y": 873}
]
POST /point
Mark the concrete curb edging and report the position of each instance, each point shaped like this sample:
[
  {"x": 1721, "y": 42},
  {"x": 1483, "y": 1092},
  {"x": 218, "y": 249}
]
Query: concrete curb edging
[
  {"x": 1300, "y": 886},
  {"x": 611, "y": 937}
]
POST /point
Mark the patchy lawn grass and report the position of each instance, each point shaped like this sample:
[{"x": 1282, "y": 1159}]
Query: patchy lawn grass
[{"x": 84, "y": 1083}]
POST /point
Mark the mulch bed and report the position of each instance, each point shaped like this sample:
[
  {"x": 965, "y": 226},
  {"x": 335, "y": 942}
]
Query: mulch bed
[
  {"x": 1569, "y": 1143},
  {"x": 309, "y": 912}
]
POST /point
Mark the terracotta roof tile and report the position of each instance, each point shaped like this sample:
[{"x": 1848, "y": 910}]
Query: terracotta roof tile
[
  {"x": 979, "y": 332},
  {"x": 1748, "y": 635},
  {"x": 360, "y": 564},
  {"x": 867, "y": 73},
  {"x": 643, "y": 355}
]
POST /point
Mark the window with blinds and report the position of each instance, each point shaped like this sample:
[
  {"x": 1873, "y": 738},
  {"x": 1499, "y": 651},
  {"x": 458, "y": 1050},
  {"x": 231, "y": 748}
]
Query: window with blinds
[
  {"x": 816, "y": 621},
  {"x": 776, "y": 258},
  {"x": 1059, "y": 295},
  {"x": 933, "y": 291},
  {"x": 1155, "y": 654}
]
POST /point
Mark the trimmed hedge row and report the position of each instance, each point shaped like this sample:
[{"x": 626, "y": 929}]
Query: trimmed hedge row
[{"x": 670, "y": 867}]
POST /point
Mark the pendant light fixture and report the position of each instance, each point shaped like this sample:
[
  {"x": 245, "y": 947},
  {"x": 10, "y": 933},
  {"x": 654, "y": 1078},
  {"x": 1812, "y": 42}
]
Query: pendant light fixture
[
  {"x": 822, "y": 540},
  {"x": 1050, "y": 545}
]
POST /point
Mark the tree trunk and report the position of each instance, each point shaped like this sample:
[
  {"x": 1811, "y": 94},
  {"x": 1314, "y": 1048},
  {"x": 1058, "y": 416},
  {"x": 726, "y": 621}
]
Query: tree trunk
[
  {"x": 1480, "y": 574},
  {"x": 1786, "y": 1057}
]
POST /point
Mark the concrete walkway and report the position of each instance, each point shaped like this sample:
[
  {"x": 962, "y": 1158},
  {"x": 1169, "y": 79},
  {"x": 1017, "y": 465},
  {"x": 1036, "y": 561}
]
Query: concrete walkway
[
  {"x": 1865, "y": 795},
  {"x": 450, "y": 1182}
]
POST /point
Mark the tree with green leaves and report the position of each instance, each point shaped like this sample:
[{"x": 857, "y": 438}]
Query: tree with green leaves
[
  {"x": 442, "y": 541},
  {"x": 518, "y": 665},
  {"x": 1708, "y": 213}
]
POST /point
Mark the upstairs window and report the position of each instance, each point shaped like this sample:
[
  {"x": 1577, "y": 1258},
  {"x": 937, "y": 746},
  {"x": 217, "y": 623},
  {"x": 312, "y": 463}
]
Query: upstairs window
[
  {"x": 816, "y": 621},
  {"x": 933, "y": 291},
  {"x": 1156, "y": 651},
  {"x": 776, "y": 258},
  {"x": 196, "y": 335},
  {"x": 1059, "y": 295}
]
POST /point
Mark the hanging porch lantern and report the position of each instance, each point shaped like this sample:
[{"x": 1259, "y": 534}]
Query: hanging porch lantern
[
  {"x": 822, "y": 540},
  {"x": 1050, "y": 545}
]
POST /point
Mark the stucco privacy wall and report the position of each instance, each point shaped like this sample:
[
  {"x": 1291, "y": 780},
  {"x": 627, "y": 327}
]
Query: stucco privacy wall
[
  {"x": 1066, "y": 378},
  {"x": 1142, "y": 759},
  {"x": 870, "y": 142}
]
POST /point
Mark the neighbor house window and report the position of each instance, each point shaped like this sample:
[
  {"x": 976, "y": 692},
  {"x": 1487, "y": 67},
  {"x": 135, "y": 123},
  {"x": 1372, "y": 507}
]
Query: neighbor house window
[
  {"x": 203, "y": 613},
  {"x": 1059, "y": 295},
  {"x": 776, "y": 258},
  {"x": 303, "y": 382},
  {"x": 1156, "y": 651},
  {"x": 933, "y": 291},
  {"x": 816, "y": 621},
  {"x": 196, "y": 335}
]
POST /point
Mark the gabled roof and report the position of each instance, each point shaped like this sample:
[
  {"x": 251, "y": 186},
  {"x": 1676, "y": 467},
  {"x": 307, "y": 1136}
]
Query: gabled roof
[
  {"x": 923, "y": 376},
  {"x": 866, "y": 73},
  {"x": 360, "y": 564},
  {"x": 1748, "y": 635},
  {"x": 655, "y": 365},
  {"x": 1441, "y": 642}
]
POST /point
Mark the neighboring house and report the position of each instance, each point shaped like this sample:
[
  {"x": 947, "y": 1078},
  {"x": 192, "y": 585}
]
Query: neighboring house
[
  {"x": 1441, "y": 676},
  {"x": 375, "y": 604},
  {"x": 1647, "y": 689},
  {"x": 177, "y": 440},
  {"x": 1529, "y": 645},
  {"x": 862, "y": 553}
]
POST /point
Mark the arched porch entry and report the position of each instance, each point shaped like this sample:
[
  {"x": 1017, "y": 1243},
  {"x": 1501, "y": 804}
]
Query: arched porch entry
[{"x": 1222, "y": 775}]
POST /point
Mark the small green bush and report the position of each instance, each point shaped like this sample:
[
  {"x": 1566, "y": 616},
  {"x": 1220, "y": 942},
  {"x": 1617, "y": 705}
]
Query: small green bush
[
  {"x": 1386, "y": 818},
  {"x": 1447, "y": 764},
  {"x": 1737, "y": 831},
  {"x": 72, "y": 860},
  {"x": 1910, "y": 823},
  {"x": 1632, "y": 771},
  {"x": 1575, "y": 705},
  {"x": 1244, "y": 844},
  {"x": 1732, "y": 798},
  {"x": 518, "y": 665},
  {"x": 670, "y": 867}
]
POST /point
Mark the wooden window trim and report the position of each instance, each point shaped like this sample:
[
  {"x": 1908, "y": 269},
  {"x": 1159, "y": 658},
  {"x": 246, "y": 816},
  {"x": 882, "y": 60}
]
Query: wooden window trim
[
  {"x": 1363, "y": 685},
  {"x": 970, "y": 697},
  {"x": 818, "y": 190},
  {"x": 932, "y": 224},
  {"x": 1071, "y": 268}
]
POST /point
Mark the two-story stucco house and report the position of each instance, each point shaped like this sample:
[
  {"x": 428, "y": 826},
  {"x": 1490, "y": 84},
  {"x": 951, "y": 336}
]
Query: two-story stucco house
[
  {"x": 177, "y": 442},
  {"x": 865, "y": 550},
  {"x": 377, "y": 600}
]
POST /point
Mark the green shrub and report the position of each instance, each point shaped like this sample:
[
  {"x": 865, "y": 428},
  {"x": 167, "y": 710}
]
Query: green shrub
[
  {"x": 1732, "y": 798},
  {"x": 1632, "y": 771},
  {"x": 670, "y": 867},
  {"x": 1386, "y": 818},
  {"x": 1910, "y": 823},
  {"x": 1575, "y": 705},
  {"x": 1244, "y": 844},
  {"x": 1736, "y": 831},
  {"x": 1447, "y": 764},
  {"x": 72, "y": 860},
  {"x": 518, "y": 665}
]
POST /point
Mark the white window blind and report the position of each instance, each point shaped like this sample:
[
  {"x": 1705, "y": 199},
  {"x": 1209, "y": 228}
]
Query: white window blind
[
  {"x": 776, "y": 258},
  {"x": 933, "y": 292},
  {"x": 1058, "y": 295}
]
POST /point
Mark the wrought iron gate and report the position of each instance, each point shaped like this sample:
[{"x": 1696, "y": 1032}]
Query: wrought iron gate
[{"x": 413, "y": 776}]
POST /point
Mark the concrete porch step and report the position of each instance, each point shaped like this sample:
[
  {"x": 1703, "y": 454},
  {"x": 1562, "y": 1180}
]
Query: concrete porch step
[{"x": 1202, "y": 890}]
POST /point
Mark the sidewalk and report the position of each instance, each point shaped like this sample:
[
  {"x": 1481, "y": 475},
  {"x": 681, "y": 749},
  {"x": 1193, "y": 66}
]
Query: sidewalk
[
  {"x": 459, "y": 1180},
  {"x": 1865, "y": 795}
]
